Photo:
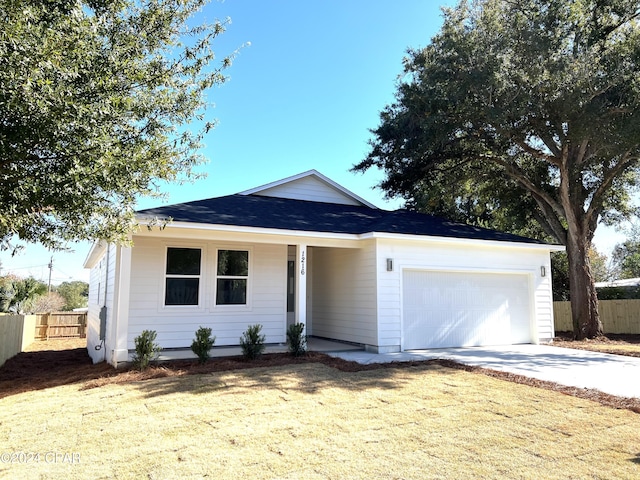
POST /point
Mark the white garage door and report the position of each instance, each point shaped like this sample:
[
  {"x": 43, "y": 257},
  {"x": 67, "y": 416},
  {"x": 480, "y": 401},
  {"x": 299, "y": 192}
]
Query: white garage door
[{"x": 453, "y": 309}]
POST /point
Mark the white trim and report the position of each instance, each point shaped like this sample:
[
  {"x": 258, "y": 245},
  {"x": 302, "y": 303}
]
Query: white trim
[
  {"x": 261, "y": 230},
  {"x": 243, "y": 307},
  {"x": 302, "y": 270},
  {"x": 201, "y": 285},
  {"x": 288, "y": 236},
  {"x": 459, "y": 240},
  {"x": 309, "y": 173},
  {"x": 120, "y": 316},
  {"x": 95, "y": 253},
  {"x": 463, "y": 269},
  {"x": 360, "y": 236}
]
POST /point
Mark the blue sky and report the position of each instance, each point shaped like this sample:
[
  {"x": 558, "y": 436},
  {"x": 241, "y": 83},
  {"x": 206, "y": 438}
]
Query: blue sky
[{"x": 303, "y": 95}]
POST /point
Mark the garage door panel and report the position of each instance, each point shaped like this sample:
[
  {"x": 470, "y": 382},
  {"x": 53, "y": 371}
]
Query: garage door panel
[{"x": 450, "y": 309}]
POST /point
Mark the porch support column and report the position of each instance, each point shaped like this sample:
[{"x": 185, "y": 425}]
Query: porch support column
[{"x": 301, "y": 284}]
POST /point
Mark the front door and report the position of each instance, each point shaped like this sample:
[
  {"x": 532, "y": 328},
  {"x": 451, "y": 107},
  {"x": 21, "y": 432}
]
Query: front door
[{"x": 291, "y": 292}]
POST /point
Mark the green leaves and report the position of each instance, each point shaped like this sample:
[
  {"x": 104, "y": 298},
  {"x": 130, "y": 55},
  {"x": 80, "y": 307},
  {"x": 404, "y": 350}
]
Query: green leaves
[
  {"x": 522, "y": 116},
  {"x": 75, "y": 294},
  {"x": 92, "y": 95},
  {"x": 203, "y": 343},
  {"x": 15, "y": 292},
  {"x": 511, "y": 103}
]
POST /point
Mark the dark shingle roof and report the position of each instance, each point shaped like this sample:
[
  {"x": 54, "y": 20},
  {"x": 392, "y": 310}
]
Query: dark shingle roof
[{"x": 288, "y": 214}]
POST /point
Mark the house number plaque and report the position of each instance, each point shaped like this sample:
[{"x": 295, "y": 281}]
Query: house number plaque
[{"x": 302, "y": 259}]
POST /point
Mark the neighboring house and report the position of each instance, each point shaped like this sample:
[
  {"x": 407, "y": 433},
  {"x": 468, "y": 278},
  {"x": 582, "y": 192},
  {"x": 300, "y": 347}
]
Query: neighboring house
[
  {"x": 626, "y": 282},
  {"x": 304, "y": 249}
]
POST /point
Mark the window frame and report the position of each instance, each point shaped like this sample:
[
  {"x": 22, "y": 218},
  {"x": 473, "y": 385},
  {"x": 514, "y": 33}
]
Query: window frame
[
  {"x": 232, "y": 306},
  {"x": 200, "y": 277}
]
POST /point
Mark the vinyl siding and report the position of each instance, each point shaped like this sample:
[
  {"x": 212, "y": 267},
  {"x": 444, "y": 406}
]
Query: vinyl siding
[
  {"x": 344, "y": 294},
  {"x": 96, "y": 283},
  {"x": 311, "y": 189},
  {"x": 176, "y": 326},
  {"x": 101, "y": 293}
]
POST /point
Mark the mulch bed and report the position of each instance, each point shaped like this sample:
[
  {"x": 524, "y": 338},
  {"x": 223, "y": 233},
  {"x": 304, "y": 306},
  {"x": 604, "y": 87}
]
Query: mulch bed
[{"x": 46, "y": 368}]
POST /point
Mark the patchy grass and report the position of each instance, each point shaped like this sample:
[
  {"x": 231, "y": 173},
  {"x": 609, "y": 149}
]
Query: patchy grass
[
  {"x": 312, "y": 417},
  {"x": 315, "y": 421},
  {"x": 62, "y": 362}
]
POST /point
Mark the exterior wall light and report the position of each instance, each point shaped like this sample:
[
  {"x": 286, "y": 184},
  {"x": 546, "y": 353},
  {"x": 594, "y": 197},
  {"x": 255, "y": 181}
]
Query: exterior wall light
[
  {"x": 543, "y": 271},
  {"x": 389, "y": 264}
]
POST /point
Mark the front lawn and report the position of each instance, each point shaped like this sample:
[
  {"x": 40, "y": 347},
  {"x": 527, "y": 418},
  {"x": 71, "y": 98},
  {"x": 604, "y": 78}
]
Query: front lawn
[{"x": 312, "y": 421}]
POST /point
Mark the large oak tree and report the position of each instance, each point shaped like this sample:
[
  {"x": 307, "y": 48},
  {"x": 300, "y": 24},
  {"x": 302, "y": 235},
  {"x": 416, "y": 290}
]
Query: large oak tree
[
  {"x": 522, "y": 111},
  {"x": 96, "y": 98}
]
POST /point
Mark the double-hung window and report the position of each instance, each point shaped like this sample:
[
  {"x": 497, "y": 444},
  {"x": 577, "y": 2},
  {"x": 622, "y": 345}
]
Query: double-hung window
[
  {"x": 232, "y": 275},
  {"x": 182, "y": 279}
]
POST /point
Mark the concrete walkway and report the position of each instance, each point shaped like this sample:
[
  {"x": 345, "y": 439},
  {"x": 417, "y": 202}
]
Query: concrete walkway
[{"x": 614, "y": 374}]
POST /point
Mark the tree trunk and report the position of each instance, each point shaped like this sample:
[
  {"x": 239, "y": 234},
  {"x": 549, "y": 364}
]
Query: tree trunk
[{"x": 584, "y": 298}]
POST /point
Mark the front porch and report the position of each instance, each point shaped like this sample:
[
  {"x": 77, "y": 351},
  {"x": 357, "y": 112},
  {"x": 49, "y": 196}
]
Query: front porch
[{"x": 314, "y": 344}]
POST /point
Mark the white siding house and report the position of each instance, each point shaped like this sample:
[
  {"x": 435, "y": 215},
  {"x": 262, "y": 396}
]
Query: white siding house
[{"x": 305, "y": 249}]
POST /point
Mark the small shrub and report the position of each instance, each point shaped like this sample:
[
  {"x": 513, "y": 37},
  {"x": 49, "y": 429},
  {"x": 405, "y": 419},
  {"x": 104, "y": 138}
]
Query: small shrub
[
  {"x": 252, "y": 342},
  {"x": 203, "y": 343},
  {"x": 296, "y": 341},
  {"x": 146, "y": 349}
]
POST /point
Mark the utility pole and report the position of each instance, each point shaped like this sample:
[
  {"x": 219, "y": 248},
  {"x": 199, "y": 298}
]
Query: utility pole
[{"x": 50, "y": 268}]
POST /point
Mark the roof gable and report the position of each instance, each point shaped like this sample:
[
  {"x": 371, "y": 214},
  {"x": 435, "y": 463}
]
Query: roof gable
[{"x": 310, "y": 186}]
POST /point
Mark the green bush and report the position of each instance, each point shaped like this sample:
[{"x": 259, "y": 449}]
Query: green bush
[
  {"x": 146, "y": 349},
  {"x": 296, "y": 341},
  {"x": 203, "y": 343},
  {"x": 252, "y": 342},
  {"x": 618, "y": 293}
]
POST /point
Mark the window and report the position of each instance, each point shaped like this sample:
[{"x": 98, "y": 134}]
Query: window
[
  {"x": 231, "y": 277},
  {"x": 182, "y": 281}
]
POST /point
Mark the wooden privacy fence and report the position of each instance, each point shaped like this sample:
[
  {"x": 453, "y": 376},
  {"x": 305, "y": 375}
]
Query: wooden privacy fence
[
  {"x": 16, "y": 333},
  {"x": 61, "y": 325},
  {"x": 617, "y": 316}
]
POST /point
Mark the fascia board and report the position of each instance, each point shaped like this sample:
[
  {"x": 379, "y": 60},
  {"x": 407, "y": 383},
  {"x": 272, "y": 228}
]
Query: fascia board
[
  {"x": 461, "y": 241},
  {"x": 366, "y": 236},
  {"x": 258, "y": 231},
  {"x": 95, "y": 253}
]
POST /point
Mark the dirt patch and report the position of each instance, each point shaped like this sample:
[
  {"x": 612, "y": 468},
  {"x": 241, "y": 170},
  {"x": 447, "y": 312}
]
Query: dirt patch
[
  {"x": 50, "y": 364},
  {"x": 616, "y": 344},
  {"x": 61, "y": 362}
]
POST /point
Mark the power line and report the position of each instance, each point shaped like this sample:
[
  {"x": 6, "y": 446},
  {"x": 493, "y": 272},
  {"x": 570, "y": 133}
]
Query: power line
[
  {"x": 23, "y": 268},
  {"x": 63, "y": 273}
]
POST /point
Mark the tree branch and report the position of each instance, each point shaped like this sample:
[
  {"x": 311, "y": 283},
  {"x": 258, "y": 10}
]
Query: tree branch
[
  {"x": 537, "y": 153},
  {"x": 582, "y": 152},
  {"x": 514, "y": 172},
  {"x": 549, "y": 221},
  {"x": 597, "y": 199},
  {"x": 551, "y": 145}
]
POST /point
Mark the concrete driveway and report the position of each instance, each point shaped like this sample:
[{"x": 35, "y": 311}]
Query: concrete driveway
[{"x": 614, "y": 374}]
